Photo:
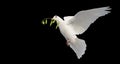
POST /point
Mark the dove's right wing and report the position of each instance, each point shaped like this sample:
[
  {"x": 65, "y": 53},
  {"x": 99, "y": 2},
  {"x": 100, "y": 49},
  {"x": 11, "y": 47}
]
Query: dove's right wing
[{"x": 82, "y": 20}]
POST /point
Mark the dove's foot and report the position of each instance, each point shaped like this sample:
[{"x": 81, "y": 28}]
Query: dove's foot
[{"x": 68, "y": 41}]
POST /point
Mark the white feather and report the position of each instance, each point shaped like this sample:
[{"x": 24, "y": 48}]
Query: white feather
[
  {"x": 72, "y": 25},
  {"x": 83, "y": 19},
  {"x": 68, "y": 18}
]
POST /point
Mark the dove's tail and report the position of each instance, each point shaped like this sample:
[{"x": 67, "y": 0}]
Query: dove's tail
[{"x": 79, "y": 47}]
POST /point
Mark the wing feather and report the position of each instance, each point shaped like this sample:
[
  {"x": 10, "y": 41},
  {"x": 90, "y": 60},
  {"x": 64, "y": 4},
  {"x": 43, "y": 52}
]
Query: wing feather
[{"x": 83, "y": 19}]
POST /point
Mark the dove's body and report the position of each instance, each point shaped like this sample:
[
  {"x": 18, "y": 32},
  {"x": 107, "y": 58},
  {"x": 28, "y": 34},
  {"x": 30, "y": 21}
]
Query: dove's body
[
  {"x": 75, "y": 25},
  {"x": 67, "y": 32},
  {"x": 78, "y": 45}
]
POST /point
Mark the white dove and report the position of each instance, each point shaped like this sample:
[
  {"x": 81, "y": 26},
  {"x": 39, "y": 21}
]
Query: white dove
[{"x": 75, "y": 25}]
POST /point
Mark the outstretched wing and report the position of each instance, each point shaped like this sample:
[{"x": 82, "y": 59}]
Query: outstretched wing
[
  {"x": 67, "y": 18},
  {"x": 82, "y": 20}
]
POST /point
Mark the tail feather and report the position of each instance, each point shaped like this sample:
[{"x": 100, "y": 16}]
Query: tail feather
[{"x": 78, "y": 47}]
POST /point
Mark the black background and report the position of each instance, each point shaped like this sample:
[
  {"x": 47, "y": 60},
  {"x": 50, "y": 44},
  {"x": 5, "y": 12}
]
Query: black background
[{"x": 31, "y": 42}]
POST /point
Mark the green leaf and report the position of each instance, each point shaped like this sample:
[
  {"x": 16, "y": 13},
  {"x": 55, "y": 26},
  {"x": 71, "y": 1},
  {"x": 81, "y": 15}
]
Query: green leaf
[
  {"x": 51, "y": 23},
  {"x": 43, "y": 22},
  {"x": 57, "y": 26}
]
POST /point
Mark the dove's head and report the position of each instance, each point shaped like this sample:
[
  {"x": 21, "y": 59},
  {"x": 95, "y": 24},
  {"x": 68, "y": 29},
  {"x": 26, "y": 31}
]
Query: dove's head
[{"x": 58, "y": 19}]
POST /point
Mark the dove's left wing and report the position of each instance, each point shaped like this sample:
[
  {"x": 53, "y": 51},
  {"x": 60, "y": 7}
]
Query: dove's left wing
[{"x": 82, "y": 20}]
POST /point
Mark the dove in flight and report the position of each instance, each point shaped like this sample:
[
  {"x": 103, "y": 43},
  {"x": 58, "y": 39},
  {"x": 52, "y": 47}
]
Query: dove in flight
[{"x": 71, "y": 26}]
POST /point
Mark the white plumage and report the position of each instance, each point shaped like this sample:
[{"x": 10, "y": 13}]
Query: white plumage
[{"x": 77, "y": 24}]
